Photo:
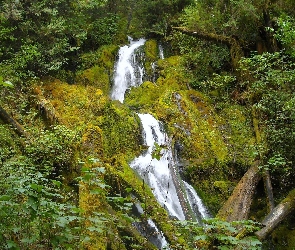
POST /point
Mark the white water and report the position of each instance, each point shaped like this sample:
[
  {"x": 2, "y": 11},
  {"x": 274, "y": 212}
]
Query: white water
[
  {"x": 161, "y": 52},
  {"x": 156, "y": 173},
  {"x": 195, "y": 201},
  {"x": 128, "y": 72},
  {"x": 150, "y": 230}
]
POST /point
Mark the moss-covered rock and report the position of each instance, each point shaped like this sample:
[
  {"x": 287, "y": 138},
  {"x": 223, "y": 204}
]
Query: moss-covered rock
[{"x": 217, "y": 145}]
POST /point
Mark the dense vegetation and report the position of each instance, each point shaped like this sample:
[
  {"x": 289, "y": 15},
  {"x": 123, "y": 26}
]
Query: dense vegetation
[{"x": 224, "y": 92}]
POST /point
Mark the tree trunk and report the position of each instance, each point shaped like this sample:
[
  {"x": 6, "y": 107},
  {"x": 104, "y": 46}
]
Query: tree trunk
[
  {"x": 6, "y": 118},
  {"x": 237, "y": 206},
  {"x": 236, "y": 48},
  {"x": 268, "y": 190},
  {"x": 278, "y": 214}
]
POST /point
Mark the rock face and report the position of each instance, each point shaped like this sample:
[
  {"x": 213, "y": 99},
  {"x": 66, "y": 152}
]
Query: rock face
[{"x": 237, "y": 207}]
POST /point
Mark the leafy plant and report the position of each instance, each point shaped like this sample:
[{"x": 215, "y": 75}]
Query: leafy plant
[{"x": 217, "y": 234}]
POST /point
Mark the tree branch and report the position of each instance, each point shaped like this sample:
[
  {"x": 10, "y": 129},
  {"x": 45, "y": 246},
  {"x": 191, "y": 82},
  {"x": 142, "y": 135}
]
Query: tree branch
[
  {"x": 6, "y": 118},
  {"x": 219, "y": 39},
  {"x": 46, "y": 108},
  {"x": 278, "y": 214}
]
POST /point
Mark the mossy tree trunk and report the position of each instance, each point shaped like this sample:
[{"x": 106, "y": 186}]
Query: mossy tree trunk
[{"x": 237, "y": 206}]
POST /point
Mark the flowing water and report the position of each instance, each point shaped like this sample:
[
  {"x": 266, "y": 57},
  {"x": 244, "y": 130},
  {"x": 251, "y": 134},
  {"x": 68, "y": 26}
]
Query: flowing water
[
  {"x": 157, "y": 173},
  {"x": 128, "y": 71},
  {"x": 156, "y": 166}
]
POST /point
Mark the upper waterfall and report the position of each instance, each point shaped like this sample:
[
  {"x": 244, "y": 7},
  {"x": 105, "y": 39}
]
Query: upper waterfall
[{"x": 128, "y": 71}]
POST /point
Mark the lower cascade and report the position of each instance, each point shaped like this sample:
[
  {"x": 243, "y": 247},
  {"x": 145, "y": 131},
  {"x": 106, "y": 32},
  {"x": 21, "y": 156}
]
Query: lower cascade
[
  {"x": 157, "y": 173},
  {"x": 161, "y": 174},
  {"x": 156, "y": 166}
]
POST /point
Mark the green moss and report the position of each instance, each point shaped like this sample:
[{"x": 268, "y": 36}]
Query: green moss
[
  {"x": 284, "y": 237},
  {"x": 97, "y": 68},
  {"x": 121, "y": 130},
  {"x": 151, "y": 50},
  {"x": 103, "y": 57},
  {"x": 98, "y": 77}
]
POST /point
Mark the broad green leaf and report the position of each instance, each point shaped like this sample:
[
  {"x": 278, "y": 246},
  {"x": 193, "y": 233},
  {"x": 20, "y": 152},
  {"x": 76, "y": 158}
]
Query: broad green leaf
[{"x": 5, "y": 198}]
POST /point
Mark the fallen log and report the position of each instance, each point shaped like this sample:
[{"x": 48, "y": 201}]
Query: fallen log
[
  {"x": 237, "y": 206},
  {"x": 277, "y": 215},
  {"x": 7, "y": 119}
]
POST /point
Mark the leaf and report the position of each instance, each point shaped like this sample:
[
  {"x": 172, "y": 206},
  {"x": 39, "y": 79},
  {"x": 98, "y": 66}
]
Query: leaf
[
  {"x": 57, "y": 183},
  {"x": 36, "y": 187},
  {"x": 6, "y": 83},
  {"x": 96, "y": 191},
  {"x": 100, "y": 169},
  {"x": 5, "y": 198},
  {"x": 62, "y": 221},
  {"x": 200, "y": 237},
  {"x": 95, "y": 229},
  {"x": 12, "y": 245},
  {"x": 32, "y": 202},
  {"x": 128, "y": 190}
]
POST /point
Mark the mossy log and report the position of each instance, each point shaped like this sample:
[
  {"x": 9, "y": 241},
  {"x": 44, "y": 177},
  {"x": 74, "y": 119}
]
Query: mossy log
[
  {"x": 237, "y": 206},
  {"x": 6, "y": 118},
  {"x": 235, "y": 45},
  {"x": 278, "y": 214}
]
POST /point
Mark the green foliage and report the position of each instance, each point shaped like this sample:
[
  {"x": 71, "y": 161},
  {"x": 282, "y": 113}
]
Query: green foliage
[
  {"x": 34, "y": 211},
  {"x": 43, "y": 37},
  {"x": 155, "y": 16},
  {"x": 286, "y": 33},
  {"x": 269, "y": 81},
  {"x": 5, "y": 83},
  {"x": 54, "y": 149},
  {"x": 217, "y": 234},
  {"x": 200, "y": 59},
  {"x": 120, "y": 127},
  {"x": 103, "y": 31},
  {"x": 232, "y": 18}
]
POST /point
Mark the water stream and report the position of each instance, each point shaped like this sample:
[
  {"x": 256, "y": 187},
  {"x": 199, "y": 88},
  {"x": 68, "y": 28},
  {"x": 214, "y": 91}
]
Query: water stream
[{"x": 160, "y": 173}]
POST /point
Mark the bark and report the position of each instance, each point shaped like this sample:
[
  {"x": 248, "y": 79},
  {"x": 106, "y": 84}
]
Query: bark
[
  {"x": 237, "y": 206},
  {"x": 278, "y": 214},
  {"x": 6, "y": 118},
  {"x": 236, "y": 46},
  {"x": 268, "y": 190}
]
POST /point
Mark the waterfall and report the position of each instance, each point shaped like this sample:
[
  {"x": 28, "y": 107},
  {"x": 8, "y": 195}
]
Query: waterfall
[
  {"x": 157, "y": 173},
  {"x": 156, "y": 166},
  {"x": 128, "y": 72}
]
